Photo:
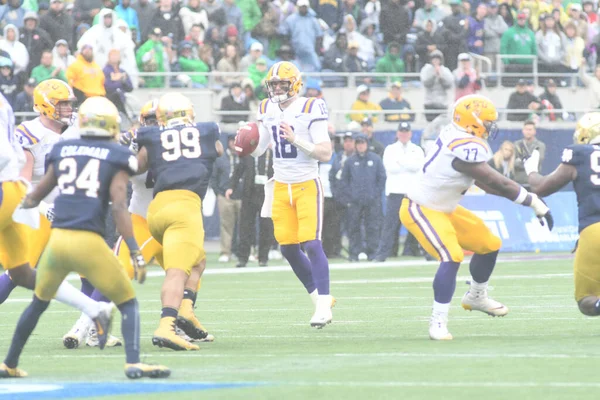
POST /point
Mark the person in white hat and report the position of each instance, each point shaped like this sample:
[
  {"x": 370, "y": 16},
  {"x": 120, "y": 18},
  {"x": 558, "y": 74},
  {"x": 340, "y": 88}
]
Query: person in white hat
[{"x": 363, "y": 104}]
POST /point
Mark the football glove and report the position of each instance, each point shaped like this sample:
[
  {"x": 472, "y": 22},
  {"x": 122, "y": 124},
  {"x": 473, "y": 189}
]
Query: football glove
[
  {"x": 532, "y": 163},
  {"x": 139, "y": 266},
  {"x": 542, "y": 211},
  {"x": 125, "y": 138},
  {"x": 47, "y": 210}
]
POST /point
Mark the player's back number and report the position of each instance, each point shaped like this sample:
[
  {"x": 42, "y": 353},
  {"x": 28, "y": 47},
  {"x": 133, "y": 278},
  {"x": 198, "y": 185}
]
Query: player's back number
[
  {"x": 180, "y": 143},
  {"x": 70, "y": 179}
]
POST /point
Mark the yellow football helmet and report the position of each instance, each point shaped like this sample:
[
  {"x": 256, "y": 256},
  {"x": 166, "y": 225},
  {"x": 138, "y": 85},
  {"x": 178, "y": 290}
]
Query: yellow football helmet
[
  {"x": 588, "y": 129},
  {"x": 148, "y": 113},
  {"x": 174, "y": 109},
  {"x": 49, "y": 98},
  {"x": 476, "y": 115},
  {"x": 98, "y": 117},
  {"x": 281, "y": 73}
]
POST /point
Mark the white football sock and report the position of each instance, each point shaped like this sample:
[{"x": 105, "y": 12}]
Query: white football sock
[
  {"x": 69, "y": 295},
  {"x": 314, "y": 296},
  {"x": 441, "y": 308},
  {"x": 324, "y": 301},
  {"x": 478, "y": 288}
]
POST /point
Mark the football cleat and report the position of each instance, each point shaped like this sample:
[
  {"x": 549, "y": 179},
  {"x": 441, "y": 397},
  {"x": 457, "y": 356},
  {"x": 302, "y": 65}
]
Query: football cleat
[
  {"x": 481, "y": 302},
  {"x": 139, "y": 370},
  {"x": 6, "y": 372},
  {"x": 78, "y": 333},
  {"x": 223, "y": 258},
  {"x": 111, "y": 341},
  {"x": 165, "y": 336},
  {"x": 323, "y": 315},
  {"x": 187, "y": 321},
  {"x": 438, "y": 327},
  {"x": 103, "y": 323},
  {"x": 181, "y": 334}
]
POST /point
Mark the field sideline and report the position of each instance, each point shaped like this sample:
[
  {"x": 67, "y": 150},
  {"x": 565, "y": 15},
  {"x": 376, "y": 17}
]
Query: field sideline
[{"x": 377, "y": 347}]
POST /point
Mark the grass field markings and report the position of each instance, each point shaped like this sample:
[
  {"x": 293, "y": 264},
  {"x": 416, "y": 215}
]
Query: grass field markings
[
  {"x": 430, "y": 279},
  {"x": 437, "y": 384}
]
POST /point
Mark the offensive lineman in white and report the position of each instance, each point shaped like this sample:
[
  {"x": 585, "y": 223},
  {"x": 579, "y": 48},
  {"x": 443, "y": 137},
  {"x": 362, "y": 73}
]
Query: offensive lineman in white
[
  {"x": 297, "y": 128},
  {"x": 431, "y": 212}
]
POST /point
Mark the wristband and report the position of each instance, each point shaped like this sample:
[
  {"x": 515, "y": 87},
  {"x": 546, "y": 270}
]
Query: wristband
[
  {"x": 306, "y": 146},
  {"x": 132, "y": 244},
  {"x": 522, "y": 196}
]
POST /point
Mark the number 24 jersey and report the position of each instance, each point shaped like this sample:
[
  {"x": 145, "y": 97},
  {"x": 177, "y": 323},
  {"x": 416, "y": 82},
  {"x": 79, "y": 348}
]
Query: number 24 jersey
[
  {"x": 439, "y": 186},
  {"x": 308, "y": 118}
]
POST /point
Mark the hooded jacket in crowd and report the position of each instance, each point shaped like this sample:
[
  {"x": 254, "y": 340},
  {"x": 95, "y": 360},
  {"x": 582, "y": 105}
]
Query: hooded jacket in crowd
[
  {"x": 17, "y": 50},
  {"x": 58, "y": 25},
  {"x": 12, "y": 13},
  {"x": 436, "y": 87},
  {"x": 36, "y": 41}
]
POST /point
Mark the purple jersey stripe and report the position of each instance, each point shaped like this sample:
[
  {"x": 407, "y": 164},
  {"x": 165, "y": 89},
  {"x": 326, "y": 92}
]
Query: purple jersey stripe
[
  {"x": 312, "y": 103},
  {"x": 443, "y": 249},
  {"x": 31, "y": 135}
]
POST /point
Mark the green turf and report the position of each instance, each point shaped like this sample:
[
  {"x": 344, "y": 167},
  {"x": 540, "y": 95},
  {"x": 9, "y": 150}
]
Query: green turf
[{"x": 377, "y": 347}]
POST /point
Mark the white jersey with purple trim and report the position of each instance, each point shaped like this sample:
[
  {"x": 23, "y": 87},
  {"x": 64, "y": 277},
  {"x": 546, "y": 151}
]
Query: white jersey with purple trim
[
  {"x": 39, "y": 140},
  {"x": 439, "y": 186},
  {"x": 142, "y": 189},
  {"x": 308, "y": 118},
  {"x": 12, "y": 157}
]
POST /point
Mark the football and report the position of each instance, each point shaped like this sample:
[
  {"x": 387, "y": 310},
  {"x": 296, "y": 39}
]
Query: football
[{"x": 246, "y": 139}]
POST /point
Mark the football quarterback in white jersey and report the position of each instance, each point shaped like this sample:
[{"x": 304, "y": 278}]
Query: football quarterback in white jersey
[
  {"x": 296, "y": 127},
  {"x": 432, "y": 214}
]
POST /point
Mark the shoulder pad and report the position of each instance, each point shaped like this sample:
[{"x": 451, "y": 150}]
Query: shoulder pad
[
  {"x": 124, "y": 158},
  {"x": 471, "y": 149},
  {"x": 26, "y": 139},
  {"x": 315, "y": 107},
  {"x": 576, "y": 153}
]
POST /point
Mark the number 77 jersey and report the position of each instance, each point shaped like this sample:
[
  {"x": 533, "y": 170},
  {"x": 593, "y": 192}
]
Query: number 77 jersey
[
  {"x": 308, "y": 118},
  {"x": 439, "y": 186}
]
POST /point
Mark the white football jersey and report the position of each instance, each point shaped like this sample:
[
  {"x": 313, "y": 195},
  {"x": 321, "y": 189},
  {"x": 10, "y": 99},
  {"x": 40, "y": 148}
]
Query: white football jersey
[
  {"x": 12, "y": 157},
  {"x": 308, "y": 117},
  {"x": 439, "y": 186},
  {"x": 141, "y": 196},
  {"x": 39, "y": 140}
]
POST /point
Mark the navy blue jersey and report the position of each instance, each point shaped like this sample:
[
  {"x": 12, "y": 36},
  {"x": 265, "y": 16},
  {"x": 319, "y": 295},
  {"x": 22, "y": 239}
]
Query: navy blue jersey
[
  {"x": 181, "y": 157},
  {"x": 84, "y": 169},
  {"x": 586, "y": 158}
]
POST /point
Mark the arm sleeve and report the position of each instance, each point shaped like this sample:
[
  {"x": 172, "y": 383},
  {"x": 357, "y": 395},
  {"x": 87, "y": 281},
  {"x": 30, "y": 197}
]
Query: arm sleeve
[
  {"x": 264, "y": 140},
  {"x": 317, "y": 127}
]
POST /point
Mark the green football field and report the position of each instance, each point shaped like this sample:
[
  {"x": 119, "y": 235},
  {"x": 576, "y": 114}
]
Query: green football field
[{"x": 376, "y": 348}]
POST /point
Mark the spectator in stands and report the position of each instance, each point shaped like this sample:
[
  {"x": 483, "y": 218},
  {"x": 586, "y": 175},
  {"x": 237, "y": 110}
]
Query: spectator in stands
[
  {"x": 305, "y": 35},
  {"x": 588, "y": 9},
  {"x": 367, "y": 129},
  {"x": 35, "y": 39},
  {"x": 85, "y": 76},
  {"x": 523, "y": 150},
  {"x": 366, "y": 48},
  {"x": 370, "y": 33},
  {"x": 466, "y": 78},
  {"x": 574, "y": 47},
  {"x": 551, "y": 101},
  {"x": 518, "y": 40},
  {"x": 84, "y": 11},
  {"x": 12, "y": 13},
  {"x": 213, "y": 40},
  {"x": 152, "y": 57},
  {"x": 494, "y": 27},
  {"x": 503, "y": 160},
  {"x": 216, "y": 13},
  {"x": 188, "y": 64},
  {"x": 429, "y": 12},
  {"x": 392, "y": 62},
  {"x": 193, "y": 14},
  {"x": 128, "y": 14},
  {"x": 332, "y": 12},
  {"x": 232, "y": 37},
  {"x": 168, "y": 20},
  {"x": 248, "y": 88},
  {"x": 313, "y": 89},
  {"x": 454, "y": 30},
  {"x": 233, "y": 15},
  {"x": 61, "y": 55},
  {"x": 9, "y": 82},
  {"x": 578, "y": 19},
  {"x": 45, "y": 70},
  {"x": 505, "y": 11},
  {"x": 395, "y": 101},
  {"x": 145, "y": 10},
  {"x": 257, "y": 72},
  {"x": 372, "y": 13},
  {"x": 196, "y": 36},
  {"x": 24, "y": 100},
  {"x": 522, "y": 99},
  {"x": 352, "y": 62},
  {"x": 593, "y": 85},
  {"x": 286, "y": 53},
  {"x": 17, "y": 50},
  {"x": 402, "y": 161},
  {"x": 256, "y": 52},
  {"x": 353, "y": 8},
  {"x": 250, "y": 16},
  {"x": 116, "y": 81},
  {"x": 266, "y": 29},
  {"x": 550, "y": 46},
  {"x": 476, "y": 35},
  {"x": 363, "y": 105},
  {"x": 229, "y": 206},
  {"x": 394, "y": 22},
  {"x": 334, "y": 56},
  {"x": 58, "y": 23},
  {"x": 437, "y": 81},
  {"x": 363, "y": 177},
  {"x": 229, "y": 63},
  {"x": 426, "y": 41},
  {"x": 235, "y": 101}
]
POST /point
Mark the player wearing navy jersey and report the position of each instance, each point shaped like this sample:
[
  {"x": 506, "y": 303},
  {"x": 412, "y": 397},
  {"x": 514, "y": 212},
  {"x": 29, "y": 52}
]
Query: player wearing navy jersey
[
  {"x": 580, "y": 165},
  {"x": 179, "y": 155},
  {"x": 89, "y": 172}
]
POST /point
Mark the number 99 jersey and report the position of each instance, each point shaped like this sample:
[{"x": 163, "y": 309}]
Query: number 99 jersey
[
  {"x": 439, "y": 186},
  {"x": 181, "y": 157},
  {"x": 308, "y": 118}
]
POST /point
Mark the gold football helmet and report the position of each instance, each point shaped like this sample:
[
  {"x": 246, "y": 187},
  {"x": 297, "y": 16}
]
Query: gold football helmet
[
  {"x": 174, "y": 109},
  {"x": 53, "y": 98},
  {"x": 98, "y": 117},
  {"x": 476, "y": 115},
  {"x": 148, "y": 113},
  {"x": 588, "y": 129},
  {"x": 283, "y": 82}
]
